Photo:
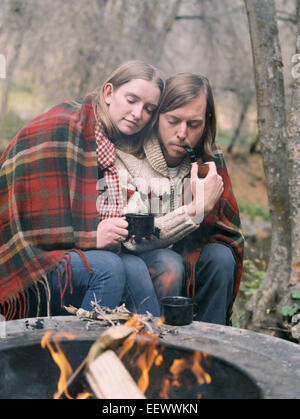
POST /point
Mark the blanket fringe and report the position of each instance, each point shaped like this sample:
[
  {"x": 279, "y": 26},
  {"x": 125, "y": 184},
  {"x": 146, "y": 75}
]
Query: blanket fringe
[{"x": 16, "y": 306}]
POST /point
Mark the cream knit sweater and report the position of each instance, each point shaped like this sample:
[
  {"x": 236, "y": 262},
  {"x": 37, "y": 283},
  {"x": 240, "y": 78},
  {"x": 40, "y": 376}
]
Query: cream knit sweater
[{"x": 152, "y": 189}]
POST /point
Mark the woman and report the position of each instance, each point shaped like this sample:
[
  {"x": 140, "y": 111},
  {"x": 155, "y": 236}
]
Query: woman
[{"x": 58, "y": 240}]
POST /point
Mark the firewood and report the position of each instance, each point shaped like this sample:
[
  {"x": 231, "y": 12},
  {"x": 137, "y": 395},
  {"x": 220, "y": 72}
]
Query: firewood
[
  {"x": 109, "y": 379},
  {"x": 110, "y": 339},
  {"x": 93, "y": 315}
]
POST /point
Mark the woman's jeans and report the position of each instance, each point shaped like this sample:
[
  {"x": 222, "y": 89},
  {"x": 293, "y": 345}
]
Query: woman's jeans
[
  {"x": 140, "y": 282},
  {"x": 112, "y": 280}
]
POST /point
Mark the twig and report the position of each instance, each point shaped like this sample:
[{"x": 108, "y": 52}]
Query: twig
[
  {"x": 278, "y": 329},
  {"x": 93, "y": 315},
  {"x": 121, "y": 314},
  {"x": 142, "y": 302},
  {"x": 102, "y": 313}
]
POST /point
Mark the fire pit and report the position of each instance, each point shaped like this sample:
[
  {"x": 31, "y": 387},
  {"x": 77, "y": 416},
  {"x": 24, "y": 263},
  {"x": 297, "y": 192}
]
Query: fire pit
[
  {"x": 29, "y": 372},
  {"x": 241, "y": 364}
]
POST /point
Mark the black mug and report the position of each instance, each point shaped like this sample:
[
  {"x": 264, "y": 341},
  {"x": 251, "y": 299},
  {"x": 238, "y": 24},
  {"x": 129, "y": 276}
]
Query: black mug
[
  {"x": 140, "y": 225},
  {"x": 177, "y": 310}
]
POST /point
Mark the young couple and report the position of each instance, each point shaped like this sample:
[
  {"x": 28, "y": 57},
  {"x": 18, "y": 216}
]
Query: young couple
[{"x": 60, "y": 244}]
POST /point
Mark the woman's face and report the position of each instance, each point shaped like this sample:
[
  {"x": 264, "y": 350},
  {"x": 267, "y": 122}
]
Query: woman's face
[{"x": 131, "y": 106}]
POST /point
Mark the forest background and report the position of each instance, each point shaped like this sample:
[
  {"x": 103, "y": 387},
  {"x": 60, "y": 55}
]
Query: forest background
[{"x": 55, "y": 50}]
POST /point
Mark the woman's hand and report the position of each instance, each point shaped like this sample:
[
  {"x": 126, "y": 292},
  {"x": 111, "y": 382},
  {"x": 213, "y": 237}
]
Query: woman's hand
[
  {"x": 111, "y": 233},
  {"x": 213, "y": 189}
]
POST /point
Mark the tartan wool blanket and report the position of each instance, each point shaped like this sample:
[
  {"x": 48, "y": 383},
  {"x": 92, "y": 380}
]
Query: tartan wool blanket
[
  {"x": 48, "y": 177},
  {"x": 222, "y": 225}
]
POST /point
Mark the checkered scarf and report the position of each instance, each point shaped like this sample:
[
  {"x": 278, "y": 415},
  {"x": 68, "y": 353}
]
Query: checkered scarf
[{"x": 109, "y": 203}]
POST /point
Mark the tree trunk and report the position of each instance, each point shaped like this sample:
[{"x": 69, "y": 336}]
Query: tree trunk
[
  {"x": 293, "y": 147},
  {"x": 293, "y": 133},
  {"x": 261, "y": 310}
]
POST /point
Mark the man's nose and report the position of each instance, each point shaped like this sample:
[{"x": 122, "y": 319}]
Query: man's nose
[{"x": 182, "y": 128}]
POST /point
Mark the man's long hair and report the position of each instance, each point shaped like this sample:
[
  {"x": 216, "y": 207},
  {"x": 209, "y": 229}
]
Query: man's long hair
[{"x": 180, "y": 90}]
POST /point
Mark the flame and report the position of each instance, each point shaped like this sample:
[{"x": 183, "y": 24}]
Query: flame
[
  {"x": 177, "y": 369},
  {"x": 164, "y": 394},
  {"x": 160, "y": 321},
  {"x": 148, "y": 354},
  {"x": 145, "y": 362},
  {"x": 62, "y": 362}
]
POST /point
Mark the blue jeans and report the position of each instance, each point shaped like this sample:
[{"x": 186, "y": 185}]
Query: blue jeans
[
  {"x": 166, "y": 269},
  {"x": 156, "y": 274},
  {"x": 139, "y": 294},
  {"x": 113, "y": 280},
  {"x": 214, "y": 276},
  {"x": 140, "y": 282},
  {"x": 215, "y": 272}
]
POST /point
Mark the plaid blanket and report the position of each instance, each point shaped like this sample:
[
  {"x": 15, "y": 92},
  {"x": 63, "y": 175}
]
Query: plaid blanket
[
  {"x": 222, "y": 225},
  {"x": 48, "y": 195}
]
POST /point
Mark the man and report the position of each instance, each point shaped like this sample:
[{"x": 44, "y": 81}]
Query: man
[{"x": 205, "y": 231}]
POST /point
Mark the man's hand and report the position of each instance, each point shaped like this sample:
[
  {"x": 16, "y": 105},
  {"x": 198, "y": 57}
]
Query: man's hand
[
  {"x": 111, "y": 233},
  {"x": 212, "y": 189}
]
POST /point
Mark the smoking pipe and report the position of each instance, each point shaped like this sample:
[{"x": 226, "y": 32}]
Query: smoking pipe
[
  {"x": 202, "y": 168},
  {"x": 191, "y": 153}
]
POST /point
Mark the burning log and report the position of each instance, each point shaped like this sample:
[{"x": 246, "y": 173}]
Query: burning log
[
  {"x": 111, "y": 339},
  {"x": 109, "y": 379},
  {"x": 146, "y": 359}
]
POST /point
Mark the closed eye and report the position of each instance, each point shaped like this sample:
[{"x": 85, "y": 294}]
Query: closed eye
[
  {"x": 173, "y": 121},
  {"x": 149, "y": 110},
  {"x": 195, "y": 124},
  {"x": 131, "y": 100}
]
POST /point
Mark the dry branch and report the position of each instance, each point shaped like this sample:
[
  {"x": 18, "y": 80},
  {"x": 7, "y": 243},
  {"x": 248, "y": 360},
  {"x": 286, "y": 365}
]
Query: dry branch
[{"x": 113, "y": 316}]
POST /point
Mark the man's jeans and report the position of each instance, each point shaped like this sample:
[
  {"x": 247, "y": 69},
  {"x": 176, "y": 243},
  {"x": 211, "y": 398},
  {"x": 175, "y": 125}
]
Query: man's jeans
[
  {"x": 215, "y": 271},
  {"x": 166, "y": 269}
]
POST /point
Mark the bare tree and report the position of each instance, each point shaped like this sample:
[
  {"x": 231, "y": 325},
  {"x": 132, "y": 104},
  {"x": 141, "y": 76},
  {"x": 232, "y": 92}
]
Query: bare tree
[
  {"x": 18, "y": 21},
  {"x": 88, "y": 40},
  {"x": 70, "y": 46},
  {"x": 293, "y": 148},
  {"x": 281, "y": 163}
]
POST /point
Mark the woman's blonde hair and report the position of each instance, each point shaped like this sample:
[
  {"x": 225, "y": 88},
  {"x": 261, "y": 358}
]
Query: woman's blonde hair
[
  {"x": 128, "y": 71},
  {"x": 181, "y": 89}
]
